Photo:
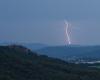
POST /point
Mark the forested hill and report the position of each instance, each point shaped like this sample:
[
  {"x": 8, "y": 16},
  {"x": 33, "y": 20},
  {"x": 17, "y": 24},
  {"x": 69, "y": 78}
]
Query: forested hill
[{"x": 20, "y": 63}]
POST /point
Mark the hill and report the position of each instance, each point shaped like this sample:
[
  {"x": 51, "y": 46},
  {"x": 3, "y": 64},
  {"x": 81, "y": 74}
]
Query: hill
[
  {"x": 32, "y": 46},
  {"x": 20, "y": 63},
  {"x": 72, "y": 52}
]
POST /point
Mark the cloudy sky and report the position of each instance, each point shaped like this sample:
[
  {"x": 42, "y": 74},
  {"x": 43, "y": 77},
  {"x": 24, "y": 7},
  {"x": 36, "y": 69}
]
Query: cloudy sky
[{"x": 42, "y": 21}]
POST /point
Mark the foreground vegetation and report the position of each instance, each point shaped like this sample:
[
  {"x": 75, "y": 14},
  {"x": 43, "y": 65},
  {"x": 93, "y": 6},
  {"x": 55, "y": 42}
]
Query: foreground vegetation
[{"x": 19, "y": 63}]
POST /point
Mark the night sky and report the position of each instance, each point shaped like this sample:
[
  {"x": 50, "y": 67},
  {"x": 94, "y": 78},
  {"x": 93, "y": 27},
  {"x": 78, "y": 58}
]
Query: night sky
[{"x": 42, "y": 21}]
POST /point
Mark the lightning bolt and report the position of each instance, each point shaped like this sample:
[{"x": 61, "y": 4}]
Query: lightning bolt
[{"x": 67, "y": 33}]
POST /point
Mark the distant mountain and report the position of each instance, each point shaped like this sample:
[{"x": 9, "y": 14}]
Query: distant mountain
[
  {"x": 72, "y": 51},
  {"x": 20, "y": 63}
]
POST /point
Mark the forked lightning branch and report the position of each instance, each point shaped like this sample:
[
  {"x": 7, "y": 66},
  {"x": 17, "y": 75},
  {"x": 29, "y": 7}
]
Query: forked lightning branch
[{"x": 67, "y": 32}]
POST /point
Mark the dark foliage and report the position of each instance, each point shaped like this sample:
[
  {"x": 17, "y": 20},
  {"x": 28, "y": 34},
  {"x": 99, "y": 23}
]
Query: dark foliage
[{"x": 19, "y": 63}]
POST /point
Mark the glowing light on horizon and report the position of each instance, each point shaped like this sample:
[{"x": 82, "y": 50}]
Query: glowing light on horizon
[{"x": 67, "y": 32}]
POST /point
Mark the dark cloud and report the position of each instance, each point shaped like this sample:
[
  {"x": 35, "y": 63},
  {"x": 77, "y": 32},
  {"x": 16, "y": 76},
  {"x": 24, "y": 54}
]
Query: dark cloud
[{"x": 25, "y": 20}]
